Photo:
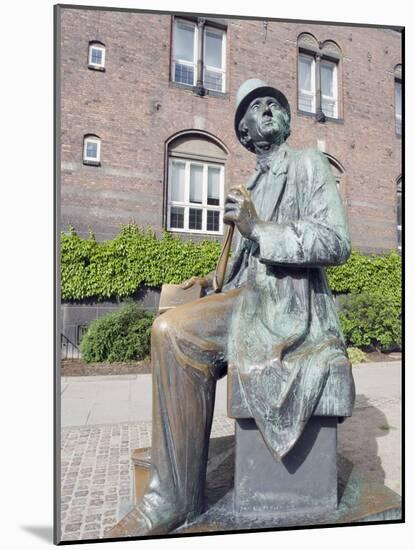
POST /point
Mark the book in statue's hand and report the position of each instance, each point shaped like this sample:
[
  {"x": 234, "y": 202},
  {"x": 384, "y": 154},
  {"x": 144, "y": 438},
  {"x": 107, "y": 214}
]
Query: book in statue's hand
[{"x": 174, "y": 295}]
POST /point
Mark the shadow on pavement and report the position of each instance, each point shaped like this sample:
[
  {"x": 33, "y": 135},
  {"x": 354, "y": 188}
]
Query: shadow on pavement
[{"x": 358, "y": 437}]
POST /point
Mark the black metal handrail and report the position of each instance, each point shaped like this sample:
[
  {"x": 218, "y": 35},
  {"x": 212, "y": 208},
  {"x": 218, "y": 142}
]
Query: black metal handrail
[{"x": 68, "y": 349}]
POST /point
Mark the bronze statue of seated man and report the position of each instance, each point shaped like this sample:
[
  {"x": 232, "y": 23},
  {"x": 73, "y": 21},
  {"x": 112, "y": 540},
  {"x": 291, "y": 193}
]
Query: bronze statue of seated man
[{"x": 274, "y": 321}]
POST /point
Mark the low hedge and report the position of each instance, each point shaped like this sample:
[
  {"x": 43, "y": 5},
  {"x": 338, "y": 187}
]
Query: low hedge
[{"x": 120, "y": 336}]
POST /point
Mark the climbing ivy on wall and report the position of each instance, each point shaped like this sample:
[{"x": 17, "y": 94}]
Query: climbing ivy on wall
[{"x": 117, "y": 267}]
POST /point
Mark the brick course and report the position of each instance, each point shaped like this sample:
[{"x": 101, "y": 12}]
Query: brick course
[{"x": 119, "y": 105}]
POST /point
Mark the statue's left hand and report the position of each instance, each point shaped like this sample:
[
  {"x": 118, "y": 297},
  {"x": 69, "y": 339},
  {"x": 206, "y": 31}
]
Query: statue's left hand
[
  {"x": 240, "y": 209},
  {"x": 204, "y": 282}
]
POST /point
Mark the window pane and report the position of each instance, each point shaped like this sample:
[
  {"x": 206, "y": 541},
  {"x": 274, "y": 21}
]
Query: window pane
[
  {"x": 184, "y": 42},
  {"x": 213, "y": 80},
  {"x": 305, "y": 103},
  {"x": 177, "y": 181},
  {"x": 212, "y": 221},
  {"x": 213, "y": 185},
  {"x": 213, "y": 49},
  {"x": 304, "y": 70},
  {"x": 196, "y": 183},
  {"x": 327, "y": 79},
  {"x": 399, "y": 210},
  {"x": 328, "y": 107},
  {"x": 195, "y": 218},
  {"x": 91, "y": 149},
  {"x": 177, "y": 217},
  {"x": 96, "y": 56},
  {"x": 184, "y": 74},
  {"x": 398, "y": 98},
  {"x": 398, "y": 107}
]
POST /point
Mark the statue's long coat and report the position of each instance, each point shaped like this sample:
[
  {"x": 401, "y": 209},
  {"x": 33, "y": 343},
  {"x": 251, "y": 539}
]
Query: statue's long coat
[{"x": 285, "y": 332}]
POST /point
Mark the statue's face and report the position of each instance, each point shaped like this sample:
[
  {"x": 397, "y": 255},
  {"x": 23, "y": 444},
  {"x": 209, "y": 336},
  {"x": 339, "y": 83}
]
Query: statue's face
[{"x": 264, "y": 119}]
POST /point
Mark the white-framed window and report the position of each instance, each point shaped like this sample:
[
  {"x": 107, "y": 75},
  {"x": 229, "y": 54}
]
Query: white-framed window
[
  {"x": 96, "y": 55},
  {"x": 195, "y": 196},
  {"x": 184, "y": 64},
  {"x": 186, "y": 53},
  {"x": 92, "y": 150},
  {"x": 214, "y": 59},
  {"x": 307, "y": 87},
  {"x": 328, "y": 84},
  {"x": 398, "y": 107},
  {"x": 307, "y": 83}
]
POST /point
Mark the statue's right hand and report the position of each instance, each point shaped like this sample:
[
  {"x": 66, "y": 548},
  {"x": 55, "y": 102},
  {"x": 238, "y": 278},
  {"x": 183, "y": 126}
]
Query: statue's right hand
[{"x": 204, "y": 282}]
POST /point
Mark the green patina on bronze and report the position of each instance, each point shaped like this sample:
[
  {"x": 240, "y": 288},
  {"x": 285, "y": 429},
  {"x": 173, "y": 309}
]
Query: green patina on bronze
[{"x": 274, "y": 325}]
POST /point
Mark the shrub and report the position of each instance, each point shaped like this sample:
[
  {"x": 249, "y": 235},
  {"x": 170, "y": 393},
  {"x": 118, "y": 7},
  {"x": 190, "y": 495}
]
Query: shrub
[
  {"x": 120, "y": 336},
  {"x": 372, "y": 319},
  {"x": 370, "y": 289},
  {"x": 117, "y": 267},
  {"x": 356, "y": 355}
]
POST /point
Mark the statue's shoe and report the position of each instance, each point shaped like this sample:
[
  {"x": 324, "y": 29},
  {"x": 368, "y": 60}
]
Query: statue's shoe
[{"x": 137, "y": 524}]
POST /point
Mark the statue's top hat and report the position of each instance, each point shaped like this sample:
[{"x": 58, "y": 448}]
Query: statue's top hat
[{"x": 251, "y": 89}]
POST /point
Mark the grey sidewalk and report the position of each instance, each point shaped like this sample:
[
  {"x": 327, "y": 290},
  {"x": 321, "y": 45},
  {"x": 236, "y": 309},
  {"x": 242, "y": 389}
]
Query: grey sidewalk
[
  {"x": 92, "y": 400},
  {"x": 105, "y": 418}
]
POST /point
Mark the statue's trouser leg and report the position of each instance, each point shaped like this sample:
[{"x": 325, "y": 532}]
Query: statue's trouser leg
[{"x": 188, "y": 356}]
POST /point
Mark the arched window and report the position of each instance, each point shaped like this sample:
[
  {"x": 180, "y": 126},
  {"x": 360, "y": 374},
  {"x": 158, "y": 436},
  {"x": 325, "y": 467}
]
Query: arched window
[
  {"x": 96, "y": 56},
  {"x": 399, "y": 213},
  {"x": 319, "y": 77},
  {"x": 336, "y": 168},
  {"x": 92, "y": 150},
  {"x": 195, "y": 181}
]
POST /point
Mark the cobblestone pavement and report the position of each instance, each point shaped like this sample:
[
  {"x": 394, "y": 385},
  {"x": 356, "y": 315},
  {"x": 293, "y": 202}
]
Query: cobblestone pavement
[{"x": 97, "y": 474}]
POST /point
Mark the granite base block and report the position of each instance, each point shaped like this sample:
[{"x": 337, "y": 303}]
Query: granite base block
[{"x": 304, "y": 480}]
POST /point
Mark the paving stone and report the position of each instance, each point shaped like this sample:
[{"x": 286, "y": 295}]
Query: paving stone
[
  {"x": 90, "y": 535},
  {"x": 72, "y": 527}
]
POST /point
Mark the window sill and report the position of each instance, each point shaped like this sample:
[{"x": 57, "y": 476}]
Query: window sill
[
  {"x": 191, "y": 233},
  {"x": 91, "y": 162},
  {"x": 313, "y": 115},
  {"x": 193, "y": 90},
  {"x": 96, "y": 68}
]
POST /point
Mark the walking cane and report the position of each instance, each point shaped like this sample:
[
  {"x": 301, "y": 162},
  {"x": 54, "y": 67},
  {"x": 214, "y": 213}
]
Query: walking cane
[
  {"x": 220, "y": 272},
  {"x": 219, "y": 277}
]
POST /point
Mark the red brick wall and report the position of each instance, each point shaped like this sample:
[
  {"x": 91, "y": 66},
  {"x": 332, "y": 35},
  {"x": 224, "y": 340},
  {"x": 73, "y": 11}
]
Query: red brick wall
[{"x": 119, "y": 106}]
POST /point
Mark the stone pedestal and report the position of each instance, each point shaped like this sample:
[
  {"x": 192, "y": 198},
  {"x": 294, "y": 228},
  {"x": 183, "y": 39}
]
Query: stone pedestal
[
  {"x": 305, "y": 481},
  {"x": 361, "y": 498}
]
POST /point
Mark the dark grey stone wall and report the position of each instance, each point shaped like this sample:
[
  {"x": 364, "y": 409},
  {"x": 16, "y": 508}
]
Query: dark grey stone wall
[{"x": 75, "y": 314}]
